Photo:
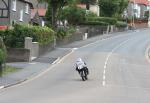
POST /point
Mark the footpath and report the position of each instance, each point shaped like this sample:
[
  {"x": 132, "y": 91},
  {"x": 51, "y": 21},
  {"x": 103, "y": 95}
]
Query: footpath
[{"x": 41, "y": 64}]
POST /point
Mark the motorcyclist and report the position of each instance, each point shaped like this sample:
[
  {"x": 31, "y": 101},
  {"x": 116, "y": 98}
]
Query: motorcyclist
[{"x": 81, "y": 65}]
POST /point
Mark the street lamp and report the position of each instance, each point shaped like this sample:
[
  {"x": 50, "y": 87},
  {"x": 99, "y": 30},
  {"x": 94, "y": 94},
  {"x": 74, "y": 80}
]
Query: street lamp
[{"x": 149, "y": 15}]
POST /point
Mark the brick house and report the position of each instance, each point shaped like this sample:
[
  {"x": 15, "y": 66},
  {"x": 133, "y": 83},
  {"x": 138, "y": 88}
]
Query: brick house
[{"x": 14, "y": 11}]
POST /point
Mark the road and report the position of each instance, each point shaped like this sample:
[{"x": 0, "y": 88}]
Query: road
[{"x": 119, "y": 73}]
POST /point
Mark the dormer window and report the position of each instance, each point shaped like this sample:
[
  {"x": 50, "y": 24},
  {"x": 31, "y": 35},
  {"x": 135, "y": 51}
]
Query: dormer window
[
  {"x": 14, "y": 5},
  {"x": 27, "y": 8}
]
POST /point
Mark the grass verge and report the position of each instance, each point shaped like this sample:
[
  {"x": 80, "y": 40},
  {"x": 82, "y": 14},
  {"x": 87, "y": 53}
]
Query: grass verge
[{"x": 9, "y": 69}]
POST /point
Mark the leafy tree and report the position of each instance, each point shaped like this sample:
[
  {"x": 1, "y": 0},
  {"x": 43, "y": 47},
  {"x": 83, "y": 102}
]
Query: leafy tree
[
  {"x": 54, "y": 7},
  {"x": 73, "y": 14},
  {"x": 88, "y": 2},
  {"x": 112, "y": 7}
]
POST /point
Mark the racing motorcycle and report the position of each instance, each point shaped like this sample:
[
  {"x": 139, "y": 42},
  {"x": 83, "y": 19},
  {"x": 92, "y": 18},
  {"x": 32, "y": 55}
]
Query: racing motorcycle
[{"x": 83, "y": 73}]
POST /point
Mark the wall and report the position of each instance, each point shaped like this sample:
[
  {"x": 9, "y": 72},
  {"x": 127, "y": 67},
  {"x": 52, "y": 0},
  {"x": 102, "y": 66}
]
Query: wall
[
  {"x": 44, "y": 48},
  {"x": 17, "y": 55}
]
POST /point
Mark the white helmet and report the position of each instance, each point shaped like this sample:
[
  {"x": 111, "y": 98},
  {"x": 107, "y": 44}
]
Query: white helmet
[{"x": 79, "y": 60}]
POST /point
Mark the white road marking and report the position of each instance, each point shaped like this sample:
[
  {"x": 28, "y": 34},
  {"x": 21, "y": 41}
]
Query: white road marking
[
  {"x": 107, "y": 59},
  {"x": 104, "y": 77},
  {"x": 56, "y": 60},
  {"x": 104, "y": 72},
  {"x": 104, "y": 83},
  {"x": 1, "y": 87}
]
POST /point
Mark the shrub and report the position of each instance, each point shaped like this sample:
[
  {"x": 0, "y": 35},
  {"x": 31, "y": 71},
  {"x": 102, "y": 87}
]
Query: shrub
[
  {"x": 2, "y": 54},
  {"x": 74, "y": 15},
  {"x": 111, "y": 21},
  {"x": 90, "y": 14},
  {"x": 94, "y": 23},
  {"x": 65, "y": 32},
  {"x": 15, "y": 37},
  {"x": 121, "y": 24}
]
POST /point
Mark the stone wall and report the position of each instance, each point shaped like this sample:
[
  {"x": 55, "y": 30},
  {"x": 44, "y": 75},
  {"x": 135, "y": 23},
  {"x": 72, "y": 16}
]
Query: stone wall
[
  {"x": 45, "y": 48},
  {"x": 17, "y": 55}
]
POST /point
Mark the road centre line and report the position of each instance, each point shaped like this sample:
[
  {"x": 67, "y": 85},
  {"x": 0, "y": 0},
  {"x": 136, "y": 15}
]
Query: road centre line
[{"x": 107, "y": 59}]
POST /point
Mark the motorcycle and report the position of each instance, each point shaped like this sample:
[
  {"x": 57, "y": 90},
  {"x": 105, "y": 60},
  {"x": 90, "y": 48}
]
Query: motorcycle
[{"x": 83, "y": 73}]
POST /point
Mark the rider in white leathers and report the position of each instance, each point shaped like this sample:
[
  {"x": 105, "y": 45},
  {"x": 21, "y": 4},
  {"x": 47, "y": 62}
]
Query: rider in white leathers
[{"x": 80, "y": 64}]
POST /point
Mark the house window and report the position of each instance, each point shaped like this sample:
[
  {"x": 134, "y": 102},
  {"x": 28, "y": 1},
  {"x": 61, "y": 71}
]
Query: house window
[
  {"x": 27, "y": 9},
  {"x": 14, "y": 5},
  {"x": 21, "y": 15}
]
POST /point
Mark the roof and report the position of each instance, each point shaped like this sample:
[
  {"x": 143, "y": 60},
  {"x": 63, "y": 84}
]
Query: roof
[
  {"x": 3, "y": 27},
  {"x": 27, "y": 1},
  {"x": 40, "y": 11},
  {"x": 144, "y": 2}
]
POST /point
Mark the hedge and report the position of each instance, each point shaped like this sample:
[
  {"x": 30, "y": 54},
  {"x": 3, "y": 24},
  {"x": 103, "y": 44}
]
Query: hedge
[
  {"x": 94, "y": 23},
  {"x": 110, "y": 21},
  {"x": 121, "y": 24},
  {"x": 2, "y": 54},
  {"x": 15, "y": 37},
  {"x": 65, "y": 32}
]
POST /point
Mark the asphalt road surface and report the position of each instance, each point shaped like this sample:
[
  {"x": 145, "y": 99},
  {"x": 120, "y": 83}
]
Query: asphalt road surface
[{"x": 119, "y": 73}]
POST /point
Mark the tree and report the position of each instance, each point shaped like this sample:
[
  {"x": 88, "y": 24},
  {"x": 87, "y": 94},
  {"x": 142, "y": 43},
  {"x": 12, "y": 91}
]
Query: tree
[
  {"x": 111, "y": 7},
  {"x": 122, "y": 6},
  {"x": 53, "y": 8},
  {"x": 73, "y": 14},
  {"x": 88, "y": 2},
  {"x": 2, "y": 55}
]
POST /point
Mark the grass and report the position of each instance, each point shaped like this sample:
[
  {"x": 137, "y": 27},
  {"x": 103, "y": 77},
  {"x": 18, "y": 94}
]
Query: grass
[{"x": 9, "y": 69}]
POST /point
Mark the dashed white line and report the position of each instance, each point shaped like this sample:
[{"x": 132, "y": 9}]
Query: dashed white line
[
  {"x": 107, "y": 59},
  {"x": 104, "y": 77},
  {"x": 104, "y": 83}
]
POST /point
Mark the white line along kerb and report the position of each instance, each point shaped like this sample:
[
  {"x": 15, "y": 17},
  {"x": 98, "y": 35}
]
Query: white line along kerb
[{"x": 107, "y": 59}]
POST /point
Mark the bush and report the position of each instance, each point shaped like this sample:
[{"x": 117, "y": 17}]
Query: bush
[
  {"x": 94, "y": 23},
  {"x": 2, "y": 54},
  {"x": 74, "y": 15},
  {"x": 64, "y": 32},
  {"x": 110, "y": 21},
  {"x": 15, "y": 37},
  {"x": 121, "y": 24},
  {"x": 91, "y": 14}
]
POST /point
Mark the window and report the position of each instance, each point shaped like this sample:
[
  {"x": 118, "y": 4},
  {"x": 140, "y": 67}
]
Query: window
[
  {"x": 27, "y": 8},
  {"x": 21, "y": 15},
  {"x": 14, "y": 5}
]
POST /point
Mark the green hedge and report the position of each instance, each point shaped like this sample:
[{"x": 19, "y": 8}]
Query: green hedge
[
  {"x": 121, "y": 24},
  {"x": 15, "y": 37},
  {"x": 94, "y": 23},
  {"x": 110, "y": 21},
  {"x": 65, "y": 32},
  {"x": 2, "y": 55}
]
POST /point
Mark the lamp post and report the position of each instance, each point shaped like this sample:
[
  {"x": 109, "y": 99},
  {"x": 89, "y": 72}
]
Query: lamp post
[{"x": 149, "y": 15}]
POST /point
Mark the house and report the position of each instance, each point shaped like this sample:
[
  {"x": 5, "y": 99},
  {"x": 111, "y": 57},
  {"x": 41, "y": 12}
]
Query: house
[
  {"x": 93, "y": 8},
  {"x": 38, "y": 13},
  {"x": 14, "y": 11},
  {"x": 38, "y": 16},
  {"x": 137, "y": 8}
]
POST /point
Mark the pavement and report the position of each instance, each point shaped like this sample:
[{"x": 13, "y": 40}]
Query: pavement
[{"x": 41, "y": 64}]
